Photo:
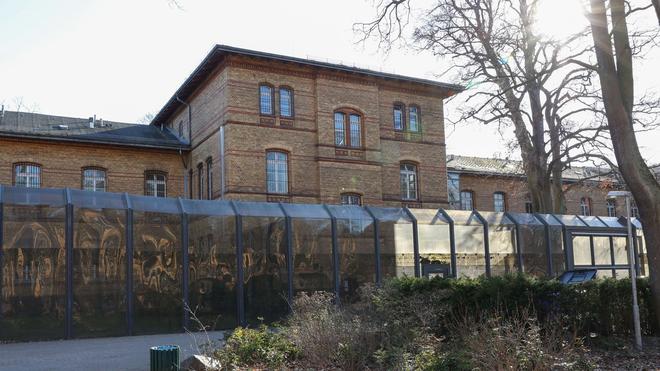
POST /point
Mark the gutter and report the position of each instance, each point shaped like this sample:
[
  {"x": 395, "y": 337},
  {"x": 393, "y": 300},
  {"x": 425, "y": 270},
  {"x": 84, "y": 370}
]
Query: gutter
[{"x": 91, "y": 141}]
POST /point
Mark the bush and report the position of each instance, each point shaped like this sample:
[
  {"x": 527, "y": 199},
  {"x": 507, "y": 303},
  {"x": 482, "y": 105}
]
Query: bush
[{"x": 256, "y": 348}]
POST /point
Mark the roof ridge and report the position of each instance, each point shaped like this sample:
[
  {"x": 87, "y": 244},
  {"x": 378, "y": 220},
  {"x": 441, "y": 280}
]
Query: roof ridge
[{"x": 83, "y": 119}]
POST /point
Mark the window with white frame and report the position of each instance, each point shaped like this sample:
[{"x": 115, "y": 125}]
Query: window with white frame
[
  {"x": 27, "y": 175},
  {"x": 286, "y": 102},
  {"x": 277, "y": 172},
  {"x": 634, "y": 211},
  {"x": 499, "y": 202},
  {"x": 611, "y": 207},
  {"x": 408, "y": 174},
  {"x": 399, "y": 117},
  {"x": 413, "y": 118},
  {"x": 351, "y": 199},
  {"x": 93, "y": 179},
  {"x": 467, "y": 202},
  {"x": 266, "y": 100},
  {"x": 155, "y": 184}
]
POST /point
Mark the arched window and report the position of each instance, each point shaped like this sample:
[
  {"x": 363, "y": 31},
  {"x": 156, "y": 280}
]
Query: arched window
[
  {"x": 399, "y": 116},
  {"x": 585, "y": 206},
  {"x": 286, "y": 102},
  {"x": 93, "y": 179},
  {"x": 351, "y": 199},
  {"x": 467, "y": 200},
  {"x": 155, "y": 183},
  {"x": 611, "y": 207},
  {"x": 413, "y": 118},
  {"x": 499, "y": 202},
  {"x": 27, "y": 175},
  {"x": 277, "y": 172},
  {"x": 266, "y": 98},
  {"x": 209, "y": 178},
  {"x": 348, "y": 129},
  {"x": 408, "y": 173}
]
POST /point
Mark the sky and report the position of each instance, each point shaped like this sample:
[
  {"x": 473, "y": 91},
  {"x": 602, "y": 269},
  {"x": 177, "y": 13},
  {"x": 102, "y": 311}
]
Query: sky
[{"x": 122, "y": 59}]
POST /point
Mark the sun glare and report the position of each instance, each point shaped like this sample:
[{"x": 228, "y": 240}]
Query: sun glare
[{"x": 559, "y": 19}]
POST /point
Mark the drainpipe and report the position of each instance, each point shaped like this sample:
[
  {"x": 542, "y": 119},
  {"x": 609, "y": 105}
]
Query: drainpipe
[
  {"x": 189, "y": 118},
  {"x": 222, "y": 162},
  {"x": 185, "y": 173}
]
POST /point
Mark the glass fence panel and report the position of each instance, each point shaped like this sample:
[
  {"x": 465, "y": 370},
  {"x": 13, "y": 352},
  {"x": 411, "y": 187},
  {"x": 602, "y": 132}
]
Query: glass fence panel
[
  {"x": 212, "y": 270},
  {"x": 265, "y": 271},
  {"x": 434, "y": 243},
  {"x": 470, "y": 252},
  {"x": 602, "y": 251},
  {"x": 157, "y": 271},
  {"x": 357, "y": 257},
  {"x": 558, "y": 250},
  {"x": 503, "y": 258},
  {"x": 312, "y": 255},
  {"x": 620, "y": 250},
  {"x": 397, "y": 256},
  {"x": 33, "y": 273},
  {"x": 581, "y": 250},
  {"x": 621, "y": 273},
  {"x": 99, "y": 272},
  {"x": 533, "y": 249}
]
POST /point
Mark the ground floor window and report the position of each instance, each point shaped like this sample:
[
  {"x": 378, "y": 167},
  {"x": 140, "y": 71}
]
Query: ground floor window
[
  {"x": 351, "y": 199},
  {"x": 155, "y": 184}
]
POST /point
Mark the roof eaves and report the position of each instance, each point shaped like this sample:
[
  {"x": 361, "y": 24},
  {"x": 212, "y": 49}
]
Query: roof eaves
[{"x": 164, "y": 146}]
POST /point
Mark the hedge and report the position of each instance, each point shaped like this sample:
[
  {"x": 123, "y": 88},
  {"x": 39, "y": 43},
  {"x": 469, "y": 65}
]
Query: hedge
[{"x": 602, "y": 306}]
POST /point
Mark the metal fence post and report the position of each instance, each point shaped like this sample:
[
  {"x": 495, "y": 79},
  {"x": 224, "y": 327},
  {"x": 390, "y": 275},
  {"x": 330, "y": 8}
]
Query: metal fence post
[
  {"x": 335, "y": 254},
  {"x": 548, "y": 243},
  {"x": 484, "y": 223},
  {"x": 289, "y": 253},
  {"x": 129, "y": 264},
  {"x": 415, "y": 241},
  {"x": 240, "y": 298},
  {"x": 185, "y": 275},
  {"x": 379, "y": 275},
  {"x": 452, "y": 243},
  {"x": 68, "y": 241}
]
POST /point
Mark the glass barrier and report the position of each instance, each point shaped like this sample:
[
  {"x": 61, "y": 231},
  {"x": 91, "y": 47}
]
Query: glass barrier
[
  {"x": 33, "y": 265},
  {"x": 532, "y": 244},
  {"x": 582, "y": 250},
  {"x": 470, "y": 250},
  {"x": 157, "y": 271},
  {"x": 501, "y": 238},
  {"x": 434, "y": 242},
  {"x": 356, "y": 250},
  {"x": 99, "y": 271},
  {"x": 397, "y": 253},
  {"x": 212, "y": 270}
]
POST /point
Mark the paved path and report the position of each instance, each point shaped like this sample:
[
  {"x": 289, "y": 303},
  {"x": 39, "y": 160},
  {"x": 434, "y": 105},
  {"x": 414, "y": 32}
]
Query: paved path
[{"x": 119, "y": 353}]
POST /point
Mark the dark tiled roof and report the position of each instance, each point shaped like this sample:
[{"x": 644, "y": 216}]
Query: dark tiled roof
[
  {"x": 201, "y": 73},
  {"x": 502, "y": 167},
  {"x": 40, "y": 126}
]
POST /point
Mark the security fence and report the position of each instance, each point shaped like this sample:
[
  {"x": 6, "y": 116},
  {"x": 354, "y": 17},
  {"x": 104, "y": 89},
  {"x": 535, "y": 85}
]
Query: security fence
[{"x": 87, "y": 264}]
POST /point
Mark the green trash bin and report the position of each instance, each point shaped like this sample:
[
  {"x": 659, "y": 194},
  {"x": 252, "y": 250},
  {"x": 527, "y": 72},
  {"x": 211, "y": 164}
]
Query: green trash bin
[{"x": 165, "y": 358}]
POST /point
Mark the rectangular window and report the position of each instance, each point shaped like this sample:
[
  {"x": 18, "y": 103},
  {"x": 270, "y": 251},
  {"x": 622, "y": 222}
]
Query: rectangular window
[
  {"x": 499, "y": 204},
  {"x": 286, "y": 102},
  {"x": 611, "y": 208},
  {"x": 529, "y": 207},
  {"x": 209, "y": 181},
  {"x": 27, "y": 175},
  {"x": 453, "y": 190},
  {"x": 94, "y": 180},
  {"x": 277, "y": 172},
  {"x": 398, "y": 117},
  {"x": 413, "y": 116},
  {"x": 340, "y": 130},
  {"x": 408, "y": 174},
  {"x": 356, "y": 131},
  {"x": 200, "y": 181},
  {"x": 155, "y": 184},
  {"x": 466, "y": 201},
  {"x": 266, "y": 100}
]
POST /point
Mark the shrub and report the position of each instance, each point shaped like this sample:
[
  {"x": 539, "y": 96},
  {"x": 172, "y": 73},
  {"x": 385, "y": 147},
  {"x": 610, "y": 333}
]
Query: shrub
[{"x": 259, "y": 347}]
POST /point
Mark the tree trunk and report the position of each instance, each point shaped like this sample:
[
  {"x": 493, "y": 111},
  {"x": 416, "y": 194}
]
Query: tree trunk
[
  {"x": 656, "y": 5},
  {"x": 616, "y": 81}
]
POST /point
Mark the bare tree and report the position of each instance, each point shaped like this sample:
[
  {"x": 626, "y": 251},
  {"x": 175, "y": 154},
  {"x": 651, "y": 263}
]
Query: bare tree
[
  {"x": 614, "y": 53},
  {"x": 540, "y": 86}
]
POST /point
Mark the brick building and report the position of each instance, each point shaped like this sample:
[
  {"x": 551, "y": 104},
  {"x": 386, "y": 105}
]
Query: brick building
[
  {"x": 255, "y": 126},
  {"x": 491, "y": 184}
]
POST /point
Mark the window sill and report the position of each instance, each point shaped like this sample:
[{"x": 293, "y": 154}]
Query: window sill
[
  {"x": 408, "y": 136},
  {"x": 278, "y": 198},
  {"x": 351, "y": 152}
]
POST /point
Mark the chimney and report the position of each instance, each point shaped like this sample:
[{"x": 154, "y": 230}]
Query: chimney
[
  {"x": 91, "y": 122},
  {"x": 102, "y": 124}
]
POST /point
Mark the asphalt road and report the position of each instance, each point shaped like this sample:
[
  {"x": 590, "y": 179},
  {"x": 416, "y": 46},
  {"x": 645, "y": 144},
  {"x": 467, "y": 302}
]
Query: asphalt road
[{"x": 119, "y": 353}]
